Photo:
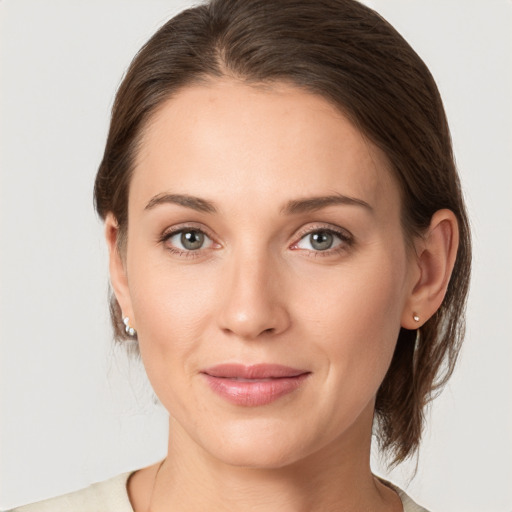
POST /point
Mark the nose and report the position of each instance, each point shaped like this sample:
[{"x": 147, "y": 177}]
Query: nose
[{"x": 253, "y": 301}]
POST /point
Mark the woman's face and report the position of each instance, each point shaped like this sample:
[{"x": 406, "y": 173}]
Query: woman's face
[{"x": 264, "y": 230}]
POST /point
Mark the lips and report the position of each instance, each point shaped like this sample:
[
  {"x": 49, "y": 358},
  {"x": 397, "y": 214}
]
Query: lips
[{"x": 253, "y": 385}]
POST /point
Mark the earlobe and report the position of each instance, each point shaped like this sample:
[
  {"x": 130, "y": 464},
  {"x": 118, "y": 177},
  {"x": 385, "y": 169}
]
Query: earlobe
[
  {"x": 436, "y": 254},
  {"x": 117, "y": 268}
]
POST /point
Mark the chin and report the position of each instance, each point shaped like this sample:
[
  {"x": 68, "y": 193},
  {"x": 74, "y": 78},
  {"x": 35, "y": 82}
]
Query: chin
[
  {"x": 265, "y": 445},
  {"x": 257, "y": 458}
]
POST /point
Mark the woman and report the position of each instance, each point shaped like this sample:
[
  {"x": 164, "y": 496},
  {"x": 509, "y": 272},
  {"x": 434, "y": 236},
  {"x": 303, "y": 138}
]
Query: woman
[{"x": 289, "y": 245}]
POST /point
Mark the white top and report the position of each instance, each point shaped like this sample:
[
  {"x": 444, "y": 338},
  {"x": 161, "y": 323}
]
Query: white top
[{"x": 112, "y": 496}]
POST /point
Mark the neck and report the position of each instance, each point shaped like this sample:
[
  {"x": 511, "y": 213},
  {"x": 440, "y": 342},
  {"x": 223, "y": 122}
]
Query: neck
[{"x": 337, "y": 477}]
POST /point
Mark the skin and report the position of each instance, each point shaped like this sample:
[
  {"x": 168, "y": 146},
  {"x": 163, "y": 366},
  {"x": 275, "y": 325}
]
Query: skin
[{"x": 259, "y": 291}]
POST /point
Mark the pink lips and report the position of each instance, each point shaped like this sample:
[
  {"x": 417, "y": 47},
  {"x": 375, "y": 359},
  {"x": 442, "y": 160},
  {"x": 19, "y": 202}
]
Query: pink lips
[{"x": 254, "y": 385}]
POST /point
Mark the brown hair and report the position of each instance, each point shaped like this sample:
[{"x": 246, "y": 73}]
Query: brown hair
[{"x": 351, "y": 56}]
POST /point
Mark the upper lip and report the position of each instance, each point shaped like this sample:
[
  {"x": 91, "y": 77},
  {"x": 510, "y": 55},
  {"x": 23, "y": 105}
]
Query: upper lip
[{"x": 256, "y": 371}]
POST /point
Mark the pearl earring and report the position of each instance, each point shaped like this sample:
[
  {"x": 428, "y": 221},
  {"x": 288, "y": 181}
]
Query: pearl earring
[
  {"x": 415, "y": 317},
  {"x": 129, "y": 330}
]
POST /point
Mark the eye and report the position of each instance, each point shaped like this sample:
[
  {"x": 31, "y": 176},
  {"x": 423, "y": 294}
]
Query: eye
[
  {"x": 186, "y": 240},
  {"x": 322, "y": 240}
]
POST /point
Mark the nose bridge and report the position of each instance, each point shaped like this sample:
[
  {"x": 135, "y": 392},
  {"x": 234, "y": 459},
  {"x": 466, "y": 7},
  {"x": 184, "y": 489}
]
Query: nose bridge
[{"x": 252, "y": 303}]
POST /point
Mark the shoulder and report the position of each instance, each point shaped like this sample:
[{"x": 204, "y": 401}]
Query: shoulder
[
  {"x": 407, "y": 502},
  {"x": 108, "y": 496}
]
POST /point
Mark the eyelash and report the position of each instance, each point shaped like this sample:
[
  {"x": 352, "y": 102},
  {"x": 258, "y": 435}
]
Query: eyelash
[{"x": 344, "y": 236}]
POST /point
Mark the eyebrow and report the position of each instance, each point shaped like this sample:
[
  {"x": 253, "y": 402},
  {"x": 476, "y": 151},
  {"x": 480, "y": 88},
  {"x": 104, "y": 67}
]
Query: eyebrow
[
  {"x": 295, "y": 206},
  {"x": 195, "y": 203},
  {"x": 310, "y": 204}
]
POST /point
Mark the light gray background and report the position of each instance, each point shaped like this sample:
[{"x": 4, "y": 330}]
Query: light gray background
[{"x": 73, "y": 409}]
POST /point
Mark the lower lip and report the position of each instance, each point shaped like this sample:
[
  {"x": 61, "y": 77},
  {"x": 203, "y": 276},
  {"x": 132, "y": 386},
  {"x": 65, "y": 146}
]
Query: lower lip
[{"x": 255, "y": 392}]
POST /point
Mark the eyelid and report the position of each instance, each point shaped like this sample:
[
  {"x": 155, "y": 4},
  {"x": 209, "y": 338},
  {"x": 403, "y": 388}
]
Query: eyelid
[
  {"x": 323, "y": 226},
  {"x": 183, "y": 226}
]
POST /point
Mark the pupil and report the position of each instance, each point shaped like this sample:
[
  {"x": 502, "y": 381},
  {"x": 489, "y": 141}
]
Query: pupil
[
  {"x": 322, "y": 240},
  {"x": 192, "y": 240}
]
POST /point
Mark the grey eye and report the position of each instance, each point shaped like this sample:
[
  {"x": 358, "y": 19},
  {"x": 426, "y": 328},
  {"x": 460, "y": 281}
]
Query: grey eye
[
  {"x": 192, "y": 240},
  {"x": 321, "y": 240}
]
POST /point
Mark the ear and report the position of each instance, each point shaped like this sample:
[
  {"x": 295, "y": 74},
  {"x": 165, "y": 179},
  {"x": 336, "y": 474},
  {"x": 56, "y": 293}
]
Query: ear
[
  {"x": 435, "y": 258},
  {"x": 117, "y": 268}
]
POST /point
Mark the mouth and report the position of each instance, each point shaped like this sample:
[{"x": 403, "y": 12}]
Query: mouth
[{"x": 254, "y": 385}]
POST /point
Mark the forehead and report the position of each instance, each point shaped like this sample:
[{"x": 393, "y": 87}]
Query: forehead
[{"x": 226, "y": 139}]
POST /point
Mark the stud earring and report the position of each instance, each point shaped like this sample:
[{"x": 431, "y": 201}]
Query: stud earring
[
  {"x": 129, "y": 330},
  {"x": 415, "y": 317}
]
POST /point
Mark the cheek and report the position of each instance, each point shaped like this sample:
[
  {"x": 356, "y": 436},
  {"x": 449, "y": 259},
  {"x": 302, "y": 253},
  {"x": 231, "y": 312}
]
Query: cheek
[
  {"x": 172, "y": 309},
  {"x": 357, "y": 317}
]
